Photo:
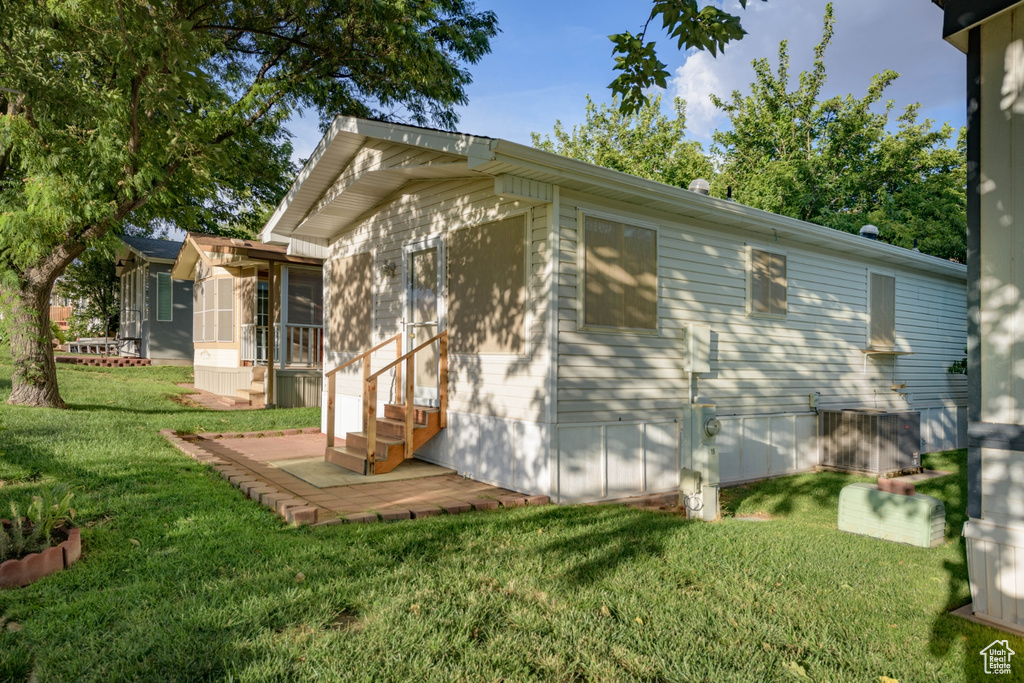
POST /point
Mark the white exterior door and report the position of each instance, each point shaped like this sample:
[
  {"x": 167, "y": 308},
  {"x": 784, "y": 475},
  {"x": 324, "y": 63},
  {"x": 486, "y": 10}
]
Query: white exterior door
[{"x": 425, "y": 314}]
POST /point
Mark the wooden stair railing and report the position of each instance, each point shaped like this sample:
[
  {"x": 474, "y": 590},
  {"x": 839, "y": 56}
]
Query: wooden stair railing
[
  {"x": 404, "y": 394},
  {"x": 365, "y": 357}
]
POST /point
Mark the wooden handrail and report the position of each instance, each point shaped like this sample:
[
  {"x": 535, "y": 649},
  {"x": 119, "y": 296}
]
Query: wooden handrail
[
  {"x": 370, "y": 395},
  {"x": 365, "y": 357},
  {"x": 376, "y": 348},
  {"x": 411, "y": 353}
]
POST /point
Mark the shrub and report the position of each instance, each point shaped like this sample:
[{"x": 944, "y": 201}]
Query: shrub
[{"x": 31, "y": 531}]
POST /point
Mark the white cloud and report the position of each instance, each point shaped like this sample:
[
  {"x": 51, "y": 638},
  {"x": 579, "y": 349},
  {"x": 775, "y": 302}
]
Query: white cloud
[
  {"x": 693, "y": 82},
  {"x": 870, "y": 36}
]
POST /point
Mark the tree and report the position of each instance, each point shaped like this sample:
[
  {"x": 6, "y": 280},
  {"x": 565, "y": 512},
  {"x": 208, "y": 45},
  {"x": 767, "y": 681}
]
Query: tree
[
  {"x": 708, "y": 28},
  {"x": 646, "y": 144},
  {"x": 92, "y": 278},
  {"x": 835, "y": 162},
  {"x": 130, "y": 111}
]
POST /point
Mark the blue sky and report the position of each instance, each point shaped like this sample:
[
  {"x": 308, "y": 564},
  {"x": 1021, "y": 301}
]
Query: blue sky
[{"x": 550, "y": 55}]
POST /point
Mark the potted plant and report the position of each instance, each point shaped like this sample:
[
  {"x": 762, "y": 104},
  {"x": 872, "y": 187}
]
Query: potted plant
[{"x": 40, "y": 540}]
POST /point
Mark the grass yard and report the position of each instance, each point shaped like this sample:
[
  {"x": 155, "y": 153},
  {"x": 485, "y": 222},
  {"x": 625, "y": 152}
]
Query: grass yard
[{"x": 184, "y": 579}]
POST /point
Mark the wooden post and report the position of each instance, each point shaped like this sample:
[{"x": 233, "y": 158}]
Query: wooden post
[
  {"x": 370, "y": 411},
  {"x": 410, "y": 409},
  {"x": 330, "y": 409},
  {"x": 366, "y": 389},
  {"x": 273, "y": 302},
  {"x": 442, "y": 380},
  {"x": 398, "y": 370}
]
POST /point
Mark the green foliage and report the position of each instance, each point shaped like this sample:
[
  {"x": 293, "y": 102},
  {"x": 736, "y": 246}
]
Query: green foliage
[
  {"x": 143, "y": 114},
  {"x": 834, "y": 162},
  {"x": 708, "y": 28},
  {"x": 92, "y": 278},
  {"x": 646, "y": 144},
  {"x": 31, "y": 530},
  {"x": 958, "y": 367}
]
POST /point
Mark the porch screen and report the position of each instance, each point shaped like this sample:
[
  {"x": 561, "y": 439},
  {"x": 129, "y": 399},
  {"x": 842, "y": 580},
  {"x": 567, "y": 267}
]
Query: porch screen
[
  {"x": 351, "y": 319},
  {"x": 305, "y": 297},
  {"x": 767, "y": 283},
  {"x": 198, "y": 306},
  {"x": 882, "y": 313},
  {"x": 225, "y": 309},
  {"x": 164, "y": 297},
  {"x": 487, "y": 288},
  {"x": 620, "y": 275}
]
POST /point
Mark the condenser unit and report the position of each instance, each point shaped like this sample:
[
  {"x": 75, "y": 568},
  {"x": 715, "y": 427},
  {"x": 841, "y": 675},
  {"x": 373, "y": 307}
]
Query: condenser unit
[{"x": 871, "y": 441}]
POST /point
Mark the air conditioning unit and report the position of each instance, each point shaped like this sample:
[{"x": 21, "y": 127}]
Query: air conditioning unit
[{"x": 870, "y": 441}]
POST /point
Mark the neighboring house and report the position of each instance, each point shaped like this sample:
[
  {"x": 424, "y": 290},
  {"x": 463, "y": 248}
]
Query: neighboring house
[
  {"x": 255, "y": 306},
  {"x": 156, "y": 320},
  {"x": 580, "y": 301},
  {"x": 991, "y": 33}
]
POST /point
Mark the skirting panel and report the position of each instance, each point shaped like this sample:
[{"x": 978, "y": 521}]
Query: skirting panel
[
  {"x": 222, "y": 381},
  {"x": 756, "y": 447},
  {"x": 617, "y": 460},
  {"x": 943, "y": 428},
  {"x": 298, "y": 390},
  {"x": 995, "y": 561},
  {"x": 509, "y": 453}
]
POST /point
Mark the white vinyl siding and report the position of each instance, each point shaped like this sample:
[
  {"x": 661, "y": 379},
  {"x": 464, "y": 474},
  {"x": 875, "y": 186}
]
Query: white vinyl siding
[
  {"x": 198, "y": 312},
  {"x": 164, "y": 297},
  {"x": 760, "y": 365},
  {"x": 499, "y": 385}
]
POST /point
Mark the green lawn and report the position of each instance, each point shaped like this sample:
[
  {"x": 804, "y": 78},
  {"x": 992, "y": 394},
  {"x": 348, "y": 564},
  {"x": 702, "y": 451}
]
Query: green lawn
[{"x": 182, "y": 578}]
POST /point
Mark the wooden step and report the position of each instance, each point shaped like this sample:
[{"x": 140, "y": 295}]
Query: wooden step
[
  {"x": 352, "y": 459},
  {"x": 396, "y": 411},
  {"x": 257, "y": 385},
  {"x": 358, "y": 440},
  {"x": 252, "y": 397},
  {"x": 259, "y": 372}
]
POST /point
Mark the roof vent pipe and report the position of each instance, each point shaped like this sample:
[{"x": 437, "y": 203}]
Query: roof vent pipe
[
  {"x": 700, "y": 186},
  {"x": 869, "y": 231}
]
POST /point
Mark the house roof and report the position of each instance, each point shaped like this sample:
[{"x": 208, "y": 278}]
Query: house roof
[
  {"x": 329, "y": 198},
  {"x": 960, "y": 16},
  {"x": 231, "y": 252},
  {"x": 156, "y": 250}
]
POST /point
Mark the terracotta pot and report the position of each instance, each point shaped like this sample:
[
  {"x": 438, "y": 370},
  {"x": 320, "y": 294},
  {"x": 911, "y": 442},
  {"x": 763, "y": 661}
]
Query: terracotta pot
[{"x": 32, "y": 567}]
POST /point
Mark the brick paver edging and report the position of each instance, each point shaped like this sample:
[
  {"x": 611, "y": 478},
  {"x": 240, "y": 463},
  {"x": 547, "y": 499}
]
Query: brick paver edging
[{"x": 297, "y": 510}]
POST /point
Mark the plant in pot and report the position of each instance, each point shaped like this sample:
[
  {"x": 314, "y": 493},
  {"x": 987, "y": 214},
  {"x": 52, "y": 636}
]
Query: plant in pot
[{"x": 40, "y": 540}]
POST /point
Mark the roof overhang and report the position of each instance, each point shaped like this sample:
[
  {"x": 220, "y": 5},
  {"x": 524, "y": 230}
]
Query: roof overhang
[
  {"x": 316, "y": 205},
  {"x": 230, "y": 253},
  {"x": 321, "y": 205},
  {"x": 960, "y": 16}
]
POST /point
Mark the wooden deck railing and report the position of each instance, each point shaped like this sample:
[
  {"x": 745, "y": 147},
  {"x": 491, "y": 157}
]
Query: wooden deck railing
[
  {"x": 365, "y": 357},
  {"x": 406, "y": 391}
]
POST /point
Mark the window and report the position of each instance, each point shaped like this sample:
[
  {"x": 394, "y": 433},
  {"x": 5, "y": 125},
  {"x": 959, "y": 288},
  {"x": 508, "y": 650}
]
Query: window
[
  {"x": 881, "y": 312},
  {"x": 198, "y": 314},
  {"x": 213, "y": 311},
  {"x": 620, "y": 271},
  {"x": 487, "y": 288},
  {"x": 767, "y": 284},
  {"x": 164, "y": 298},
  {"x": 225, "y": 309}
]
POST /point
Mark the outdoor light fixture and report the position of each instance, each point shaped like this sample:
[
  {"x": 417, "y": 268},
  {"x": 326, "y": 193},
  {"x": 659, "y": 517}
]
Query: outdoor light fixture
[{"x": 388, "y": 268}]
